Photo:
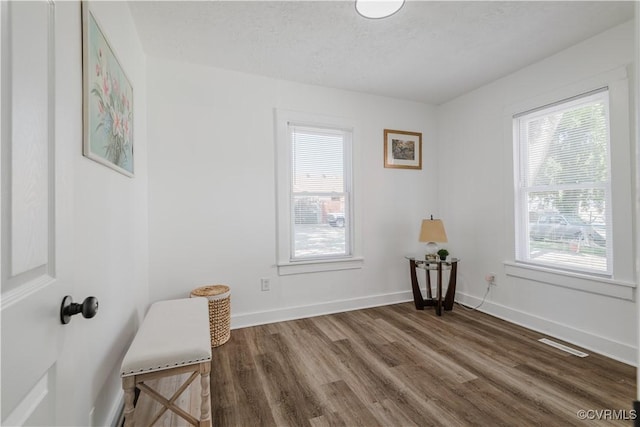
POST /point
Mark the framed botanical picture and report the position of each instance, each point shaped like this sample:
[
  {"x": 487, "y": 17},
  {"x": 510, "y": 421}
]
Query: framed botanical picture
[
  {"x": 107, "y": 100},
  {"x": 402, "y": 149}
]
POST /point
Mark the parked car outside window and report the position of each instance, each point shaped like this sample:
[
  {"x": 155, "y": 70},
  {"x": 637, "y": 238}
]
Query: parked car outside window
[
  {"x": 556, "y": 226},
  {"x": 336, "y": 219}
]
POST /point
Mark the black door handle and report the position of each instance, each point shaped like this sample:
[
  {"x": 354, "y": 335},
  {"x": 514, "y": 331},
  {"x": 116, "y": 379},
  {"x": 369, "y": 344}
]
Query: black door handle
[{"x": 88, "y": 308}]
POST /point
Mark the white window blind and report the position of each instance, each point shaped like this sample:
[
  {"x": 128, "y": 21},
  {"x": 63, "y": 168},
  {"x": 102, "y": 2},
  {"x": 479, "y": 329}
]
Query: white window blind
[
  {"x": 563, "y": 185},
  {"x": 320, "y": 192}
]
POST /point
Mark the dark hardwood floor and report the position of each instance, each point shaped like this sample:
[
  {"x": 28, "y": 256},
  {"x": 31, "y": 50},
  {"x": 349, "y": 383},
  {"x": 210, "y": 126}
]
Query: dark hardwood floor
[{"x": 395, "y": 366}]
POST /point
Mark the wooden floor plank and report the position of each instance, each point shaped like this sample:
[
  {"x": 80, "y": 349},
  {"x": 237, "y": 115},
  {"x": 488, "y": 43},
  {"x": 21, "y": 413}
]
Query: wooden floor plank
[
  {"x": 397, "y": 366},
  {"x": 389, "y": 414},
  {"x": 344, "y": 401}
]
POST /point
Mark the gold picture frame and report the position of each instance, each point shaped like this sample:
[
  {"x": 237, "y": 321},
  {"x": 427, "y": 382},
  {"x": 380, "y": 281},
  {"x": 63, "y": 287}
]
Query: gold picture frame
[{"x": 402, "y": 149}]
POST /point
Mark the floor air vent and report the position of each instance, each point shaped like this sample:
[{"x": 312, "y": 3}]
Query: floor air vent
[{"x": 563, "y": 347}]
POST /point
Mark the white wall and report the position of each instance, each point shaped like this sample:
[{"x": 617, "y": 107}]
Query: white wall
[
  {"x": 212, "y": 191},
  {"x": 476, "y": 197},
  {"x": 110, "y": 227}
]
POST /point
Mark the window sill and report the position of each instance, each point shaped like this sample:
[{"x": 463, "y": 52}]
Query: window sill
[
  {"x": 316, "y": 266},
  {"x": 581, "y": 282}
]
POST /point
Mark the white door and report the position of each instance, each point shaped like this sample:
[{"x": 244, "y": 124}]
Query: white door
[{"x": 36, "y": 178}]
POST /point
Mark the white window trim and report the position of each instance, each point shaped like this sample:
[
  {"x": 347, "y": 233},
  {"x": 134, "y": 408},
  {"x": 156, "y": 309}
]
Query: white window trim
[
  {"x": 522, "y": 226},
  {"x": 621, "y": 183},
  {"x": 572, "y": 280},
  {"x": 285, "y": 265}
]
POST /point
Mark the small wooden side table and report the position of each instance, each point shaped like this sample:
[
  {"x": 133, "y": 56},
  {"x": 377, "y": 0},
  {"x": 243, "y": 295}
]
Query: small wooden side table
[{"x": 428, "y": 265}]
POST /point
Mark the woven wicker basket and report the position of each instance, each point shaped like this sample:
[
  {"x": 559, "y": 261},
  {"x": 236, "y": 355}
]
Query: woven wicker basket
[{"x": 219, "y": 297}]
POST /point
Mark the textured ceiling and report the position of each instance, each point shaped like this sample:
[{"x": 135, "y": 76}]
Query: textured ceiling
[{"x": 429, "y": 51}]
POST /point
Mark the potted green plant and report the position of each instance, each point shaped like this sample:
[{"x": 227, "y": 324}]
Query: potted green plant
[{"x": 443, "y": 253}]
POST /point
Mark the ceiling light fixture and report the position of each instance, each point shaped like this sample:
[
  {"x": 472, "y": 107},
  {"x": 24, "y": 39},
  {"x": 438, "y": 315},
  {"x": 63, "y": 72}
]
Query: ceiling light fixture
[{"x": 378, "y": 9}]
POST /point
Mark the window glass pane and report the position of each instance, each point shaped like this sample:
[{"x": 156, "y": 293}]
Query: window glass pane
[
  {"x": 318, "y": 160},
  {"x": 575, "y": 237},
  {"x": 568, "y": 147},
  {"x": 319, "y": 193},
  {"x": 564, "y": 206},
  {"x": 320, "y": 225}
]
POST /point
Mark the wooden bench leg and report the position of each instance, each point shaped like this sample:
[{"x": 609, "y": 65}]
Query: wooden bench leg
[
  {"x": 205, "y": 409},
  {"x": 129, "y": 386}
]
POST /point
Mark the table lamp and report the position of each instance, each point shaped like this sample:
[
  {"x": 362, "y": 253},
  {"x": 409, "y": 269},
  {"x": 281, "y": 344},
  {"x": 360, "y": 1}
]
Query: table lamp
[{"x": 432, "y": 231}]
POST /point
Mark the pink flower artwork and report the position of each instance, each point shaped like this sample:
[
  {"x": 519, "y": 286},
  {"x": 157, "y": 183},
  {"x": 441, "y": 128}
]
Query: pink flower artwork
[{"x": 110, "y": 134}]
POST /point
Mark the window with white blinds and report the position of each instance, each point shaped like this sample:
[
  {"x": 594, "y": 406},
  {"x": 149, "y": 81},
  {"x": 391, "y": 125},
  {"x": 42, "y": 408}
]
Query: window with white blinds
[
  {"x": 563, "y": 203},
  {"x": 319, "y": 192}
]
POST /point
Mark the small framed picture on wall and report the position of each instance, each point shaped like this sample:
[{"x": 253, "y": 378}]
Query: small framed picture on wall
[{"x": 402, "y": 149}]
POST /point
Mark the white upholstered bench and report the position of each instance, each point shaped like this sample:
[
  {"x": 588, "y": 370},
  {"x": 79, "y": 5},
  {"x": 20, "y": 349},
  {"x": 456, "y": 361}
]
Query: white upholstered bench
[{"x": 173, "y": 339}]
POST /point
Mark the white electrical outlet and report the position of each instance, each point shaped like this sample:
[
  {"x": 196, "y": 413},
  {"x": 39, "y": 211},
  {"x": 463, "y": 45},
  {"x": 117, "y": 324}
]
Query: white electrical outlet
[
  {"x": 490, "y": 278},
  {"x": 265, "y": 284}
]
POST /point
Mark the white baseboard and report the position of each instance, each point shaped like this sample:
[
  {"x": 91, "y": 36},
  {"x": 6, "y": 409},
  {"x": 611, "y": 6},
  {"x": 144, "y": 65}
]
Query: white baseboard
[
  {"x": 615, "y": 350},
  {"x": 244, "y": 320}
]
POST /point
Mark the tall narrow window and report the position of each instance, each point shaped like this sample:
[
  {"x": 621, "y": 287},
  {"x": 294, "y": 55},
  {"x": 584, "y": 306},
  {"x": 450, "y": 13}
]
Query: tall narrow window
[
  {"x": 318, "y": 220},
  {"x": 563, "y": 209},
  {"x": 320, "y": 192}
]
